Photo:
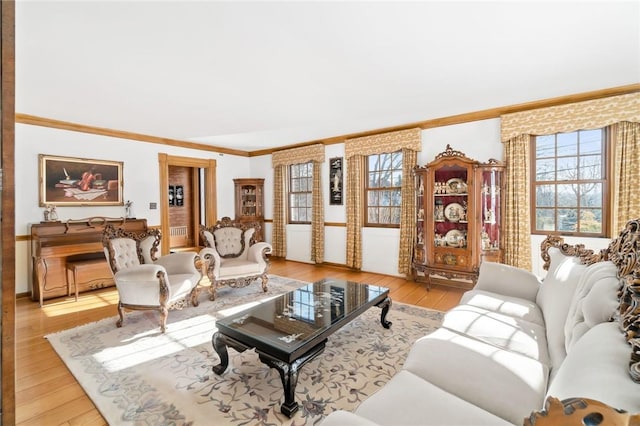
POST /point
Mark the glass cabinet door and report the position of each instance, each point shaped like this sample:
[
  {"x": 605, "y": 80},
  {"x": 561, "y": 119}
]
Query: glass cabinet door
[
  {"x": 450, "y": 199},
  {"x": 490, "y": 206}
]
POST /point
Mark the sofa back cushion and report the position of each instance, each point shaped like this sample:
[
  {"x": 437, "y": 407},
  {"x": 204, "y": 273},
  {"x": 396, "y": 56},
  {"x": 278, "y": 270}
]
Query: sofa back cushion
[
  {"x": 598, "y": 368},
  {"x": 554, "y": 298},
  {"x": 595, "y": 301}
]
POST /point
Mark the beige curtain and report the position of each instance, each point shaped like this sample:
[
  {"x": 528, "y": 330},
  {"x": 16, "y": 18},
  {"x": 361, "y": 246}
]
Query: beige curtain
[
  {"x": 281, "y": 160},
  {"x": 626, "y": 203},
  {"x": 278, "y": 236},
  {"x": 517, "y": 229},
  {"x": 355, "y": 168},
  {"x": 317, "y": 220},
  {"x": 408, "y": 212},
  {"x": 356, "y": 151}
]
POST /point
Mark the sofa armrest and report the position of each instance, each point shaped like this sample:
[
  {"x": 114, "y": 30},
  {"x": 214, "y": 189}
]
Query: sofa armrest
[
  {"x": 179, "y": 263},
  {"x": 346, "y": 418},
  {"x": 508, "y": 281},
  {"x": 258, "y": 251}
]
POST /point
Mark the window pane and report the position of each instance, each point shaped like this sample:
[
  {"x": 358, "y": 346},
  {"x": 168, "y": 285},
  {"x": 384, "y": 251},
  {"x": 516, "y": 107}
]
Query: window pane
[
  {"x": 545, "y": 220},
  {"x": 373, "y": 198},
  {"x": 385, "y": 198},
  {"x": 395, "y": 215},
  {"x": 396, "y": 197},
  {"x": 294, "y": 215},
  {"x": 591, "y": 195},
  {"x": 590, "y": 167},
  {"x": 396, "y": 178},
  {"x": 545, "y": 170},
  {"x": 374, "y": 162},
  {"x": 373, "y": 214},
  {"x": 567, "y": 220},
  {"x": 374, "y": 180},
  {"x": 567, "y": 168},
  {"x": 590, "y": 142},
  {"x": 591, "y": 220},
  {"x": 567, "y": 195},
  {"x": 545, "y": 196},
  {"x": 567, "y": 144},
  {"x": 545, "y": 146},
  {"x": 396, "y": 160}
]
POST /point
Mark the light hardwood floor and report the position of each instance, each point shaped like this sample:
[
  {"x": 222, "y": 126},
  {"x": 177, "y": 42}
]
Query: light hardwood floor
[{"x": 47, "y": 393}]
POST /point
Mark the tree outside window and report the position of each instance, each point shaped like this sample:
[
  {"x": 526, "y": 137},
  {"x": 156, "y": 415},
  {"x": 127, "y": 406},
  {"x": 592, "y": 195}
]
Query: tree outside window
[{"x": 383, "y": 189}]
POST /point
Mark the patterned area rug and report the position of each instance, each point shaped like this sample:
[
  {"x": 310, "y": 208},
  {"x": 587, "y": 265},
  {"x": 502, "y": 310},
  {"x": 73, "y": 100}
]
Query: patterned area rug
[{"x": 137, "y": 376}]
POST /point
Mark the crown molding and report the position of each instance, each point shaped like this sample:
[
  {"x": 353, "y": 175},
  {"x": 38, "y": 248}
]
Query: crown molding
[{"x": 485, "y": 114}]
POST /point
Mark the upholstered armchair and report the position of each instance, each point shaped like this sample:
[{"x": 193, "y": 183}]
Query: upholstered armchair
[
  {"x": 147, "y": 282},
  {"x": 233, "y": 256}
]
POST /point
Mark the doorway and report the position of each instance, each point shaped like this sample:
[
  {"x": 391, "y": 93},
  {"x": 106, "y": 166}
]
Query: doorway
[{"x": 195, "y": 179}]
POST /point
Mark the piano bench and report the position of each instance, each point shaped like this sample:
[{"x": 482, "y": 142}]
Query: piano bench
[{"x": 80, "y": 269}]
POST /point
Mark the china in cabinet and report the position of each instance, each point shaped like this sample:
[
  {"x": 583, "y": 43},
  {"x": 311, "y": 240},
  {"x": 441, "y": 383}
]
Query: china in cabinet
[
  {"x": 458, "y": 218},
  {"x": 249, "y": 198}
]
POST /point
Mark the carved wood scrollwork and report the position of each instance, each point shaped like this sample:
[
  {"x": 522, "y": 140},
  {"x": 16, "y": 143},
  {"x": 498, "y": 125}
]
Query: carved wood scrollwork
[{"x": 450, "y": 152}]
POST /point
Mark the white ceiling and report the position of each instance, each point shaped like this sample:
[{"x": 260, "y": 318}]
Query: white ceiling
[{"x": 254, "y": 75}]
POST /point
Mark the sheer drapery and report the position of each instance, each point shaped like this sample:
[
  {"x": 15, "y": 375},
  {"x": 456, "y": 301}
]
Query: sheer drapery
[
  {"x": 317, "y": 219},
  {"x": 517, "y": 222},
  {"x": 281, "y": 160},
  {"x": 356, "y": 151},
  {"x": 626, "y": 202},
  {"x": 515, "y": 132}
]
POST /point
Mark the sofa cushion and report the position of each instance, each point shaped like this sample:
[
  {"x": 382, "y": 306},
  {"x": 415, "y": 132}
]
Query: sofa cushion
[
  {"x": 595, "y": 301},
  {"x": 597, "y": 367},
  {"x": 504, "y": 383},
  {"x": 515, "y": 307},
  {"x": 554, "y": 299},
  {"x": 506, "y": 332},
  {"x": 233, "y": 267},
  {"x": 408, "y": 399}
]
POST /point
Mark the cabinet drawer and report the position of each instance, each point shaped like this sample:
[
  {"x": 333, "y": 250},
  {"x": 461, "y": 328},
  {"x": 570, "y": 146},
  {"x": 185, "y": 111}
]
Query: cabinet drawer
[{"x": 452, "y": 259}]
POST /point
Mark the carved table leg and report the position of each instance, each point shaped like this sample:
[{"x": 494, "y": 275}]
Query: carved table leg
[
  {"x": 289, "y": 376},
  {"x": 385, "y": 305},
  {"x": 220, "y": 345}
]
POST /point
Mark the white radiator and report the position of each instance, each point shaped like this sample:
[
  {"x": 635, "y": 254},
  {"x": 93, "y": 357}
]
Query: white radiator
[{"x": 178, "y": 236}]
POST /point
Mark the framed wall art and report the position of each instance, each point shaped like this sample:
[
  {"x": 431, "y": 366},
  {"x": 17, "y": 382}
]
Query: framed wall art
[
  {"x": 335, "y": 181},
  {"x": 68, "y": 181}
]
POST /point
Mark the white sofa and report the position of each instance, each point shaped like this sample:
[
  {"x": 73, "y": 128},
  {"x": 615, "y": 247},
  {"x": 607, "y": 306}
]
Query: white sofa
[{"x": 514, "y": 340}]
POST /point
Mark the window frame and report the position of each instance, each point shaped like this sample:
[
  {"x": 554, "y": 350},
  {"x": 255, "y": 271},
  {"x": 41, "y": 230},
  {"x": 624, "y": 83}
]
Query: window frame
[
  {"x": 290, "y": 192},
  {"x": 366, "y": 189},
  {"x": 605, "y": 180}
]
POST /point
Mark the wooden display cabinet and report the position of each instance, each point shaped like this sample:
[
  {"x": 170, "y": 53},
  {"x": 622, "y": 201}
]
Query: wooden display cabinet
[
  {"x": 458, "y": 218},
  {"x": 249, "y": 197}
]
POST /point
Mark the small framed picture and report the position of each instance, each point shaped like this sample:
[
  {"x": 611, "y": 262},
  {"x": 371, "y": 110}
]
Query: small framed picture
[{"x": 335, "y": 181}]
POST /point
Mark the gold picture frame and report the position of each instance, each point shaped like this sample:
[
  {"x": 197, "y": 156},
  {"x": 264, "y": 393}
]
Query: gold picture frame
[{"x": 69, "y": 181}]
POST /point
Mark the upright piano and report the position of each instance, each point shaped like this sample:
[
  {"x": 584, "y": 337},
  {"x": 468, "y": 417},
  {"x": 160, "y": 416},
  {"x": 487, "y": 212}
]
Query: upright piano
[{"x": 57, "y": 245}]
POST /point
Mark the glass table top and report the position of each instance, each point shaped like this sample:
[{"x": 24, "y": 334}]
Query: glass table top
[{"x": 289, "y": 321}]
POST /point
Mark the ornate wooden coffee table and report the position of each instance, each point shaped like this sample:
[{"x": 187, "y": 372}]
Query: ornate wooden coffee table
[{"x": 292, "y": 329}]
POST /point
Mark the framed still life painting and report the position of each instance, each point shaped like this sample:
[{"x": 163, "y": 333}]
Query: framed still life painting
[{"x": 68, "y": 181}]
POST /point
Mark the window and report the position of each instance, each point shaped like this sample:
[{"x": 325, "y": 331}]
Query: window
[
  {"x": 383, "y": 189},
  {"x": 300, "y": 187},
  {"x": 569, "y": 192}
]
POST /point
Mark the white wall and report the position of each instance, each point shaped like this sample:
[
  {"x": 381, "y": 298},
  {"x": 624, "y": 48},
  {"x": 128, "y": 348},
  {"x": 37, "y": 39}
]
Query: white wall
[
  {"x": 140, "y": 174},
  {"x": 479, "y": 140}
]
